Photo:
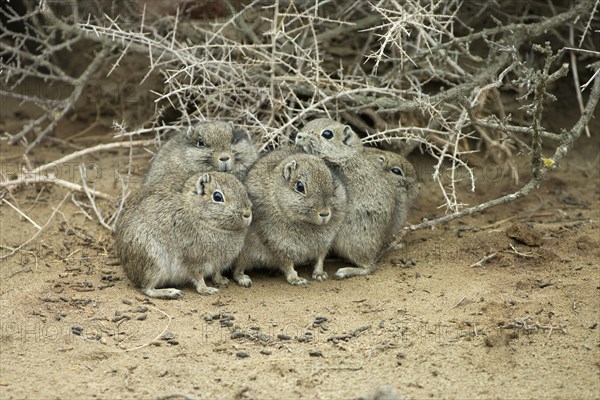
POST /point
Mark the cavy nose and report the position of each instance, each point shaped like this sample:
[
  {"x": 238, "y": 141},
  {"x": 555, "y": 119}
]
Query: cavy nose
[
  {"x": 247, "y": 216},
  {"x": 299, "y": 138},
  {"x": 324, "y": 216},
  {"x": 224, "y": 157},
  {"x": 324, "y": 213}
]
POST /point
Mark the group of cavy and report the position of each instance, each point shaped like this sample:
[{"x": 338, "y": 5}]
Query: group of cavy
[{"x": 209, "y": 202}]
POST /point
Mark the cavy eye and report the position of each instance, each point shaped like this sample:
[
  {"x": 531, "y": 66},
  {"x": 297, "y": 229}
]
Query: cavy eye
[
  {"x": 217, "y": 197},
  {"x": 397, "y": 171},
  {"x": 200, "y": 142},
  {"x": 327, "y": 134},
  {"x": 300, "y": 187}
]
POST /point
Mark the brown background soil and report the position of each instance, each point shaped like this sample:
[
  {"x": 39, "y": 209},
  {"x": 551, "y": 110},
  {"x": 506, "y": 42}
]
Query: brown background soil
[{"x": 425, "y": 324}]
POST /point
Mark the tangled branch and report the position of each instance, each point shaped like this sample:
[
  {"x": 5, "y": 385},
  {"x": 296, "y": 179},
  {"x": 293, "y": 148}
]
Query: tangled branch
[{"x": 403, "y": 74}]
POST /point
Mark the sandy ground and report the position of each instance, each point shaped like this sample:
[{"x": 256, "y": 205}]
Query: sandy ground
[{"x": 425, "y": 325}]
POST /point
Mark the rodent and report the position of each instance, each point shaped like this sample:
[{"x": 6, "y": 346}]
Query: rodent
[
  {"x": 362, "y": 235},
  {"x": 402, "y": 179},
  {"x": 297, "y": 210},
  {"x": 172, "y": 237},
  {"x": 201, "y": 147}
]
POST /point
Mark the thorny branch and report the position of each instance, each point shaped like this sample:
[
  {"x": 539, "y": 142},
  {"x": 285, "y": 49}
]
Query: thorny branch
[
  {"x": 413, "y": 82},
  {"x": 532, "y": 327},
  {"x": 545, "y": 166}
]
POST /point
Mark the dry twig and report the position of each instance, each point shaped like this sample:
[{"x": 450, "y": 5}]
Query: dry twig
[
  {"x": 483, "y": 260},
  {"x": 524, "y": 326},
  {"x": 272, "y": 69}
]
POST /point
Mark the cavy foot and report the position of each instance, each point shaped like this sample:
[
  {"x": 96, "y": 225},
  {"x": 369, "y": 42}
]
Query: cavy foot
[
  {"x": 220, "y": 280},
  {"x": 297, "y": 281},
  {"x": 292, "y": 276},
  {"x": 243, "y": 280},
  {"x": 163, "y": 293},
  {"x": 351, "y": 271},
  {"x": 207, "y": 290},
  {"x": 202, "y": 288},
  {"x": 320, "y": 276}
]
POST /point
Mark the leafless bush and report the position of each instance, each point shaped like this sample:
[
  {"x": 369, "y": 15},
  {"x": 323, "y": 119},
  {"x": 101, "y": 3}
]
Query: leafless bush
[{"x": 407, "y": 74}]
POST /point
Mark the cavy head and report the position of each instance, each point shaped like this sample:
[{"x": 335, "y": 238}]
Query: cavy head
[
  {"x": 218, "y": 200},
  {"x": 308, "y": 193},
  {"x": 218, "y": 145},
  {"x": 329, "y": 140}
]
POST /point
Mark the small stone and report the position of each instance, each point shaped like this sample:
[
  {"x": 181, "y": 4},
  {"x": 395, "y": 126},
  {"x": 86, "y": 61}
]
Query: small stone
[
  {"x": 212, "y": 317},
  {"x": 142, "y": 317},
  {"x": 167, "y": 336},
  {"x": 242, "y": 354},
  {"x": 173, "y": 342},
  {"x": 282, "y": 336},
  {"x": 127, "y": 301},
  {"x": 266, "y": 352},
  {"x": 315, "y": 353},
  {"x": 525, "y": 234},
  {"x": 238, "y": 335},
  {"x": 77, "y": 330}
]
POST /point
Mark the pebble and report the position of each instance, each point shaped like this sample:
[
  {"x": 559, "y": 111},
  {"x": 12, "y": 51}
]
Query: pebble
[
  {"x": 77, "y": 330},
  {"x": 167, "y": 336}
]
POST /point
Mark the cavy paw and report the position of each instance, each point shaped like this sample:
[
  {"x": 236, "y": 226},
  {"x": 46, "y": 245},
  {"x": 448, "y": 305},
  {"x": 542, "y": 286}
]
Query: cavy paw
[
  {"x": 220, "y": 281},
  {"x": 320, "y": 276},
  {"x": 163, "y": 293},
  {"x": 207, "y": 291},
  {"x": 244, "y": 280},
  {"x": 297, "y": 281}
]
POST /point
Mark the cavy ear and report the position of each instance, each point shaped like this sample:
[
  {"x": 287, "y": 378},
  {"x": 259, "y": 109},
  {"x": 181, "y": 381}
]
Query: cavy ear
[
  {"x": 190, "y": 130},
  {"x": 202, "y": 181},
  {"x": 239, "y": 135},
  {"x": 231, "y": 127},
  {"x": 381, "y": 159},
  {"x": 349, "y": 136},
  {"x": 288, "y": 169}
]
